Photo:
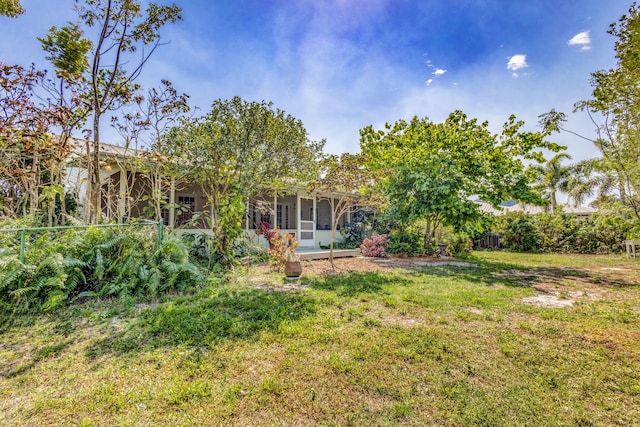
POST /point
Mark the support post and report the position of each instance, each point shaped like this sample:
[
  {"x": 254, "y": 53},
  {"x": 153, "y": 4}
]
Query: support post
[
  {"x": 274, "y": 217},
  {"x": 122, "y": 195},
  {"x": 172, "y": 203},
  {"x": 160, "y": 234},
  {"x": 298, "y": 215},
  {"x": 22, "y": 244}
]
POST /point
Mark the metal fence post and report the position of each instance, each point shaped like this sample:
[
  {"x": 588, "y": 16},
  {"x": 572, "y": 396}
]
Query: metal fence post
[
  {"x": 22, "y": 244},
  {"x": 160, "y": 232}
]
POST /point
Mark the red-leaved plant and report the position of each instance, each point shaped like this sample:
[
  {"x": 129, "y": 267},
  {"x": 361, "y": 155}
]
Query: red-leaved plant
[{"x": 267, "y": 231}]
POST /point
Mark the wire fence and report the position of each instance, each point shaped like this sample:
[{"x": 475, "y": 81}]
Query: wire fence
[{"x": 23, "y": 233}]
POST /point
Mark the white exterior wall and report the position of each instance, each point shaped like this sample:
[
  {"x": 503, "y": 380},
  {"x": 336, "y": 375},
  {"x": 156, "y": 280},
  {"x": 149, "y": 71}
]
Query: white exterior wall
[{"x": 322, "y": 236}]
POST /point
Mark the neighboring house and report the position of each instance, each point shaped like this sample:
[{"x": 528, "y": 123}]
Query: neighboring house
[
  {"x": 128, "y": 190},
  {"x": 532, "y": 209}
]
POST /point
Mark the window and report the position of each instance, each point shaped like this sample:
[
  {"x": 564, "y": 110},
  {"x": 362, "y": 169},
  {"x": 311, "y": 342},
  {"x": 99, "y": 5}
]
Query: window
[
  {"x": 282, "y": 216},
  {"x": 164, "y": 213},
  {"x": 186, "y": 207},
  {"x": 259, "y": 217}
]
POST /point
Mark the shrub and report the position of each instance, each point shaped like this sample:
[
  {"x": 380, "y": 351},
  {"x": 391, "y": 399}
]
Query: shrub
[
  {"x": 376, "y": 246},
  {"x": 518, "y": 232},
  {"x": 248, "y": 250},
  {"x": 406, "y": 241},
  {"x": 561, "y": 232},
  {"x": 202, "y": 250},
  {"x": 60, "y": 267},
  {"x": 459, "y": 244},
  {"x": 281, "y": 250}
]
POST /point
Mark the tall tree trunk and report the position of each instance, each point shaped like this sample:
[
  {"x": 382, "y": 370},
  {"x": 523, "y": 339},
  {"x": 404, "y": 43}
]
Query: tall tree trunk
[
  {"x": 88, "y": 191},
  {"x": 96, "y": 179},
  {"x": 34, "y": 180},
  {"x": 427, "y": 235}
]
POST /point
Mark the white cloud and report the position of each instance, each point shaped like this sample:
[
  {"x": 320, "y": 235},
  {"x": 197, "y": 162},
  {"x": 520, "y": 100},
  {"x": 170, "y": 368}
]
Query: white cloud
[
  {"x": 581, "y": 39},
  {"x": 437, "y": 72},
  {"x": 517, "y": 62}
]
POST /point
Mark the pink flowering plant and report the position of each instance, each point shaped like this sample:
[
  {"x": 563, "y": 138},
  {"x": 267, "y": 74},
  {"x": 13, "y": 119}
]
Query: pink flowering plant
[{"x": 376, "y": 246}]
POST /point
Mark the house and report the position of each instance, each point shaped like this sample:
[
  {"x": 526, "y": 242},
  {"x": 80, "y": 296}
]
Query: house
[
  {"x": 133, "y": 187},
  {"x": 581, "y": 211}
]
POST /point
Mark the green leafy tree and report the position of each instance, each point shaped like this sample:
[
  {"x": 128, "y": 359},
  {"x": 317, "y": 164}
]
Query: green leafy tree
[
  {"x": 593, "y": 177},
  {"x": 432, "y": 171},
  {"x": 11, "y": 8},
  {"x": 346, "y": 183},
  {"x": 616, "y": 96},
  {"x": 237, "y": 151},
  {"x": 125, "y": 38}
]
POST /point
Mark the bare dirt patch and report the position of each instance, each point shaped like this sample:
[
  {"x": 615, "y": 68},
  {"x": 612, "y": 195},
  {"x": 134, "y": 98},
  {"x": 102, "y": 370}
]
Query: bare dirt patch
[
  {"x": 562, "y": 287},
  {"x": 365, "y": 264},
  {"x": 550, "y": 301}
]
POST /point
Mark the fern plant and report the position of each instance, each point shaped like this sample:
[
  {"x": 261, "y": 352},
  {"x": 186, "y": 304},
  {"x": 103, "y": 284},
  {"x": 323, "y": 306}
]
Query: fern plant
[{"x": 62, "y": 267}]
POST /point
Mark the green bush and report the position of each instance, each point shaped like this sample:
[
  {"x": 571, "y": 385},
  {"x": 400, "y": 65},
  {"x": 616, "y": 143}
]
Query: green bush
[
  {"x": 409, "y": 241},
  {"x": 602, "y": 233},
  {"x": 459, "y": 244},
  {"x": 560, "y": 232},
  {"x": 62, "y": 266},
  {"x": 518, "y": 232}
]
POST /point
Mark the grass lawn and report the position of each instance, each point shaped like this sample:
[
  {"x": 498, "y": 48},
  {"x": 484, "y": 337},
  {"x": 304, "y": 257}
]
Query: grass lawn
[{"x": 513, "y": 339}]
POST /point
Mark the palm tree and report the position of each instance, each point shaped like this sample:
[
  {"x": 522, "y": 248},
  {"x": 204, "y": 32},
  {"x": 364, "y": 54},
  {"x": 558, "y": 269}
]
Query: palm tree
[
  {"x": 554, "y": 177},
  {"x": 590, "y": 178}
]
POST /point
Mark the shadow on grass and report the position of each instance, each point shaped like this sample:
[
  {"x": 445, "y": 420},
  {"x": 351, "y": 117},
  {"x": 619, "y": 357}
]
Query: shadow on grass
[
  {"x": 486, "y": 273},
  {"x": 352, "y": 284},
  {"x": 10, "y": 370},
  {"x": 203, "y": 321},
  {"x": 492, "y": 273}
]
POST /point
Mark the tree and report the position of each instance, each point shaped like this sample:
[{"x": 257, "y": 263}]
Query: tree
[
  {"x": 115, "y": 61},
  {"x": 11, "y": 8},
  {"x": 433, "y": 171},
  {"x": 616, "y": 96},
  {"x": 345, "y": 182},
  {"x": 237, "y": 151},
  {"x": 30, "y": 158},
  {"x": 153, "y": 116},
  {"x": 554, "y": 177},
  {"x": 597, "y": 176},
  {"x": 67, "y": 50}
]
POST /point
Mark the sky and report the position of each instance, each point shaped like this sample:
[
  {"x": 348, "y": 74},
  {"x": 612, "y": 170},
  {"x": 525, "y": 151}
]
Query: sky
[{"x": 341, "y": 65}]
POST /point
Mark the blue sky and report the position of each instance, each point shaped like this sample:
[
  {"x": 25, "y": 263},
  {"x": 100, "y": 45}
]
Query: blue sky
[{"x": 340, "y": 65}]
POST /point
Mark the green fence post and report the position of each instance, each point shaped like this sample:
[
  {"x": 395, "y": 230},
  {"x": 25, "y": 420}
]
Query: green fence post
[
  {"x": 160, "y": 232},
  {"x": 22, "y": 244}
]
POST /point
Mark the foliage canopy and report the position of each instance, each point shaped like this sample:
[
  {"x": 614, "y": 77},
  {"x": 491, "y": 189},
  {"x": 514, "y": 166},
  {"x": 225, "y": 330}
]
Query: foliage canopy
[
  {"x": 433, "y": 171},
  {"x": 235, "y": 152}
]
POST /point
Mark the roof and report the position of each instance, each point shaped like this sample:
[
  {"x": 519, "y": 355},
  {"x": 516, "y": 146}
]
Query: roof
[
  {"x": 532, "y": 209},
  {"x": 106, "y": 149}
]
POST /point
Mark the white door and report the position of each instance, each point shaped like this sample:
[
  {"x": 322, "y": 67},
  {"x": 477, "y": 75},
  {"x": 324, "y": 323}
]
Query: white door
[
  {"x": 307, "y": 226},
  {"x": 307, "y": 234}
]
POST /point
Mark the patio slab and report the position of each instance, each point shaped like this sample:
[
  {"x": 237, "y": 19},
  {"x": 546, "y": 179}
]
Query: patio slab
[{"x": 313, "y": 253}]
